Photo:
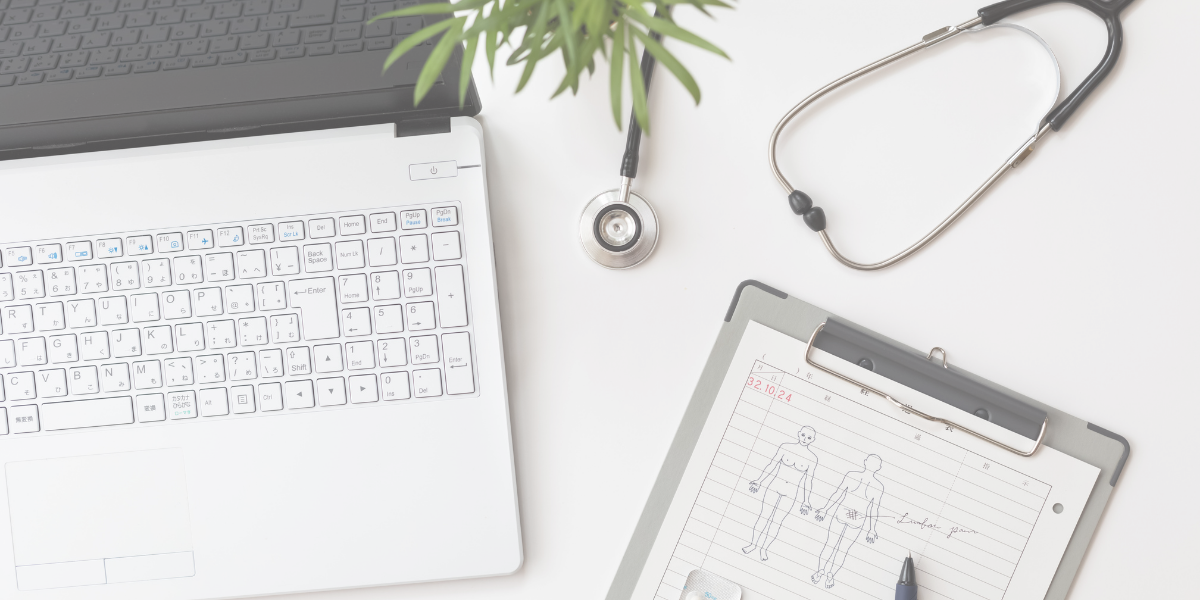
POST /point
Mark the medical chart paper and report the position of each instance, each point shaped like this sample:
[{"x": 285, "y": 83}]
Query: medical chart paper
[{"x": 803, "y": 486}]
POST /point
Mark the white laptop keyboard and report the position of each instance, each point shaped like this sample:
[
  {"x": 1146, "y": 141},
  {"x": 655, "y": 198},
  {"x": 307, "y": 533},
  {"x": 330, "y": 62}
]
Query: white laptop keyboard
[{"x": 234, "y": 319}]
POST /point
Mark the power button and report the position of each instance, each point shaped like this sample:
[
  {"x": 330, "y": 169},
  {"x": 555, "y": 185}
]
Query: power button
[{"x": 435, "y": 170}]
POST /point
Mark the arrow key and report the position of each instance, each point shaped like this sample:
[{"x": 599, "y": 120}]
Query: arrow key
[
  {"x": 363, "y": 388},
  {"x": 327, "y": 358},
  {"x": 331, "y": 391},
  {"x": 298, "y": 394}
]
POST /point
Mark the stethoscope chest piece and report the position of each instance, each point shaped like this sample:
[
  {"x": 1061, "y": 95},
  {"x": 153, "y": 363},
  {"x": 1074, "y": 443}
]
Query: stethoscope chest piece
[{"x": 616, "y": 234}]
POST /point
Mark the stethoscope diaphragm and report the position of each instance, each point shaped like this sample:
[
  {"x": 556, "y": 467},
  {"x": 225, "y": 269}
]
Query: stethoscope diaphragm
[{"x": 616, "y": 234}]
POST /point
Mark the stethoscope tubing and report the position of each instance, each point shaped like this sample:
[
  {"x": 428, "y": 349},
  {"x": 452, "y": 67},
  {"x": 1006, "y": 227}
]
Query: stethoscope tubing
[{"x": 1012, "y": 162}]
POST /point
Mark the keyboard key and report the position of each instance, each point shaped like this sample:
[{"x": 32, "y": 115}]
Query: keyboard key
[
  {"x": 389, "y": 318},
  {"x": 214, "y": 402},
  {"x": 233, "y": 58},
  {"x": 23, "y": 419},
  {"x": 219, "y": 266},
  {"x": 262, "y": 234},
  {"x": 181, "y": 405},
  {"x": 420, "y": 316},
  {"x": 349, "y": 254},
  {"x": 174, "y": 63},
  {"x": 241, "y": 399},
  {"x": 317, "y": 302},
  {"x": 292, "y": 231},
  {"x": 394, "y": 386},
  {"x": 348, "y": 47},
  {"x": 363, "y": 389},
  {"x": 271, "y": 361},
  {"x": 252, "y": 264},
  {"x": 147, "y": 66},
  {"x": 18, "y": 319},
  {"x": 200, "y": 240},
  {"x": 423, "y": 349},
  {"x": 331, "y": 391},
  {"x": 445, "y": 216},
  {"x": 327, "y": 358},
  {"x": 446, "y": 245},
  {"x": 414, "y": 219},
  {"x": 270, "y": 396},
  {"x": 428, "y": 382},
  {"x": 353, "y": 288},
  {"x": 18, "y": 256},
  {"x": 321, "y": 228},
  {"x": 230, "y": 236},
  {"x": 207, "y": 60},
  {"x": 381, "y": 252},
  {"x": 385, "y": 285},
  {"x": 285, "y": 329},
  {"x": 239, "y": 299},
  {"x": 117, "y": 69},
  {"x": 383, "y": 222},
  {"x": 271, "y": 296},
  {"x": 356, "y": 322},
  {"x": 320, "y": 49},
  {"x": 285, "y": 261},
  {"x": 393, "y": 352},
  {"x": 452, "y": 298},
  {"x": 414, "y": 249},
  {"x": 49, "y": 253},
  {"x": 360, "y": 355},
  {"x": 150, "y": 408},
  {"x": 299, "y": 361},
  {"x": 456, "y": 350}
]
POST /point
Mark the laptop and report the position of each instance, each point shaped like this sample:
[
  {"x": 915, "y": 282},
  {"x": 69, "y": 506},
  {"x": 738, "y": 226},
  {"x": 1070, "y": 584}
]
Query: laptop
[{"x": 249, "y": 340}]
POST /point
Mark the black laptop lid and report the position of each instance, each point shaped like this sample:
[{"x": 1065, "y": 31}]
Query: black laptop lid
[{"x": 85, "y": 75}]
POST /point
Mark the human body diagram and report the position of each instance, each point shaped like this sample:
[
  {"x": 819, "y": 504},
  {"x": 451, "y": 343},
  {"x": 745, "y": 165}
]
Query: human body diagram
[
  {"x": 787, "y": 478},
  {"x": 852, "y": 508}
]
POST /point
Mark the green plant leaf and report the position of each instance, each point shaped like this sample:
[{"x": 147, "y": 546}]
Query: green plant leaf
[
  {"x": 464, "y": 76},
  {"x": 490, "y": 41},
  {"x": 431, "y": 9},
  {"x": 638, "y": 86},
  {"x": 437, "y": 59},
  {"x": 415, "y": 40},
  {"x": 617, "y": 76},
  {"x": 666, "y": 27},
  {"x": 669, "y": 61}
]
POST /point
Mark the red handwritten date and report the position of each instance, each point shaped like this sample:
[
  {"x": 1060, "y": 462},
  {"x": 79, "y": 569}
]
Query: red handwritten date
[{"x": 769, "y": 389}]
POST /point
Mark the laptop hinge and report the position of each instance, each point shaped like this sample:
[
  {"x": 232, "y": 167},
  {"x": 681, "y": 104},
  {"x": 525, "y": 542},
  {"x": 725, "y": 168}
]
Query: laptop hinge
[{"x": 411, "y": 127}]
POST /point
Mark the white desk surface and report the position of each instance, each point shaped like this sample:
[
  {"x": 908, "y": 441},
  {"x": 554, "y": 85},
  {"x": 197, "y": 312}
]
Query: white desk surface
[{"x": 1074, "y": 281}]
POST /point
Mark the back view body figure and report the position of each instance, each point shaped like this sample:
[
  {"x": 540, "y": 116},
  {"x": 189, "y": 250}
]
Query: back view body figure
[
  {"x": 786, "y": 478},
  {"x": 854, "y": 506}
]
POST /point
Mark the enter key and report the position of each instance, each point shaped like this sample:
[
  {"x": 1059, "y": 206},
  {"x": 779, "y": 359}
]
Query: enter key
[
  {"x": 316, "y": 299},
  {"x": 456, "y": 350}
]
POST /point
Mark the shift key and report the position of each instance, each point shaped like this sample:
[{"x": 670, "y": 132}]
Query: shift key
[{"x": 452, "y": 297}]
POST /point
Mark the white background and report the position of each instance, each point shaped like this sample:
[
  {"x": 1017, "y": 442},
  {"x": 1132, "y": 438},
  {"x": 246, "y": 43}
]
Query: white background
[{"x": 1074, "y": 281}]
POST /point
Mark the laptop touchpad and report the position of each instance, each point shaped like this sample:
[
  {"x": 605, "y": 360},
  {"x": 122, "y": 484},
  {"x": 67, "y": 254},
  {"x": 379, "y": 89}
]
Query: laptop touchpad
[{"x": 94, "y": 520}]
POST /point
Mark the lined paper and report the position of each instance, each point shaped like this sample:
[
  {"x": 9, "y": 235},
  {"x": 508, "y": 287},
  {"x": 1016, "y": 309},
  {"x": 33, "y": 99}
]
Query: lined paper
[{"x": 805, "y": 486}]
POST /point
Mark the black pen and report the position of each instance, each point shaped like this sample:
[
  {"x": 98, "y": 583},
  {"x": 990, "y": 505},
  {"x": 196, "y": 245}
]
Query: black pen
[{"x": 906, "y": 588}]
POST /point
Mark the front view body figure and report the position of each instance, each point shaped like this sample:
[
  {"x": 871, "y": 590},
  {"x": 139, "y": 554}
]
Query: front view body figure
[
  {"x": 788, "y": 477},
  {"x": 854, "y": 506}
]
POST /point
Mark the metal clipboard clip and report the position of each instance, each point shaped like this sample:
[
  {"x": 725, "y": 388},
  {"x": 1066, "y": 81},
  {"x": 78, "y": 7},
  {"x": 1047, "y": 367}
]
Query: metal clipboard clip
[{"x": 869, "y": 364}]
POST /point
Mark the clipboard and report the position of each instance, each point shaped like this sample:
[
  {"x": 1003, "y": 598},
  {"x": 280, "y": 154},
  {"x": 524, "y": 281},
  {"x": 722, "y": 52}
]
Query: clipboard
[{"x": 1038, "y": 422}]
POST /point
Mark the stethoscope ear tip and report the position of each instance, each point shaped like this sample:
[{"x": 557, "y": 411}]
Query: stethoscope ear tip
[{"x": 618, "y": 234}]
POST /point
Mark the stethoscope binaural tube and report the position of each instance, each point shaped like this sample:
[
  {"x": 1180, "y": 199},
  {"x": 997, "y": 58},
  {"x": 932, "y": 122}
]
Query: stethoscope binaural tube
[
  {"x": 618, "y": 228},
  {"x": 814, "y": 217}
]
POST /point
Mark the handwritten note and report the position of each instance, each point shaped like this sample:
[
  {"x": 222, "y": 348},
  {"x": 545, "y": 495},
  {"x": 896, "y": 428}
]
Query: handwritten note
[{"x": 805, "y": 486}]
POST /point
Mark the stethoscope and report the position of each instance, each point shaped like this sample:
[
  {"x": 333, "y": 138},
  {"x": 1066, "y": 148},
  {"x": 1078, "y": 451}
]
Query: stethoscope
[
  {"x": 618, "y": 228},
  {"x": 1107, "y": 10}
]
